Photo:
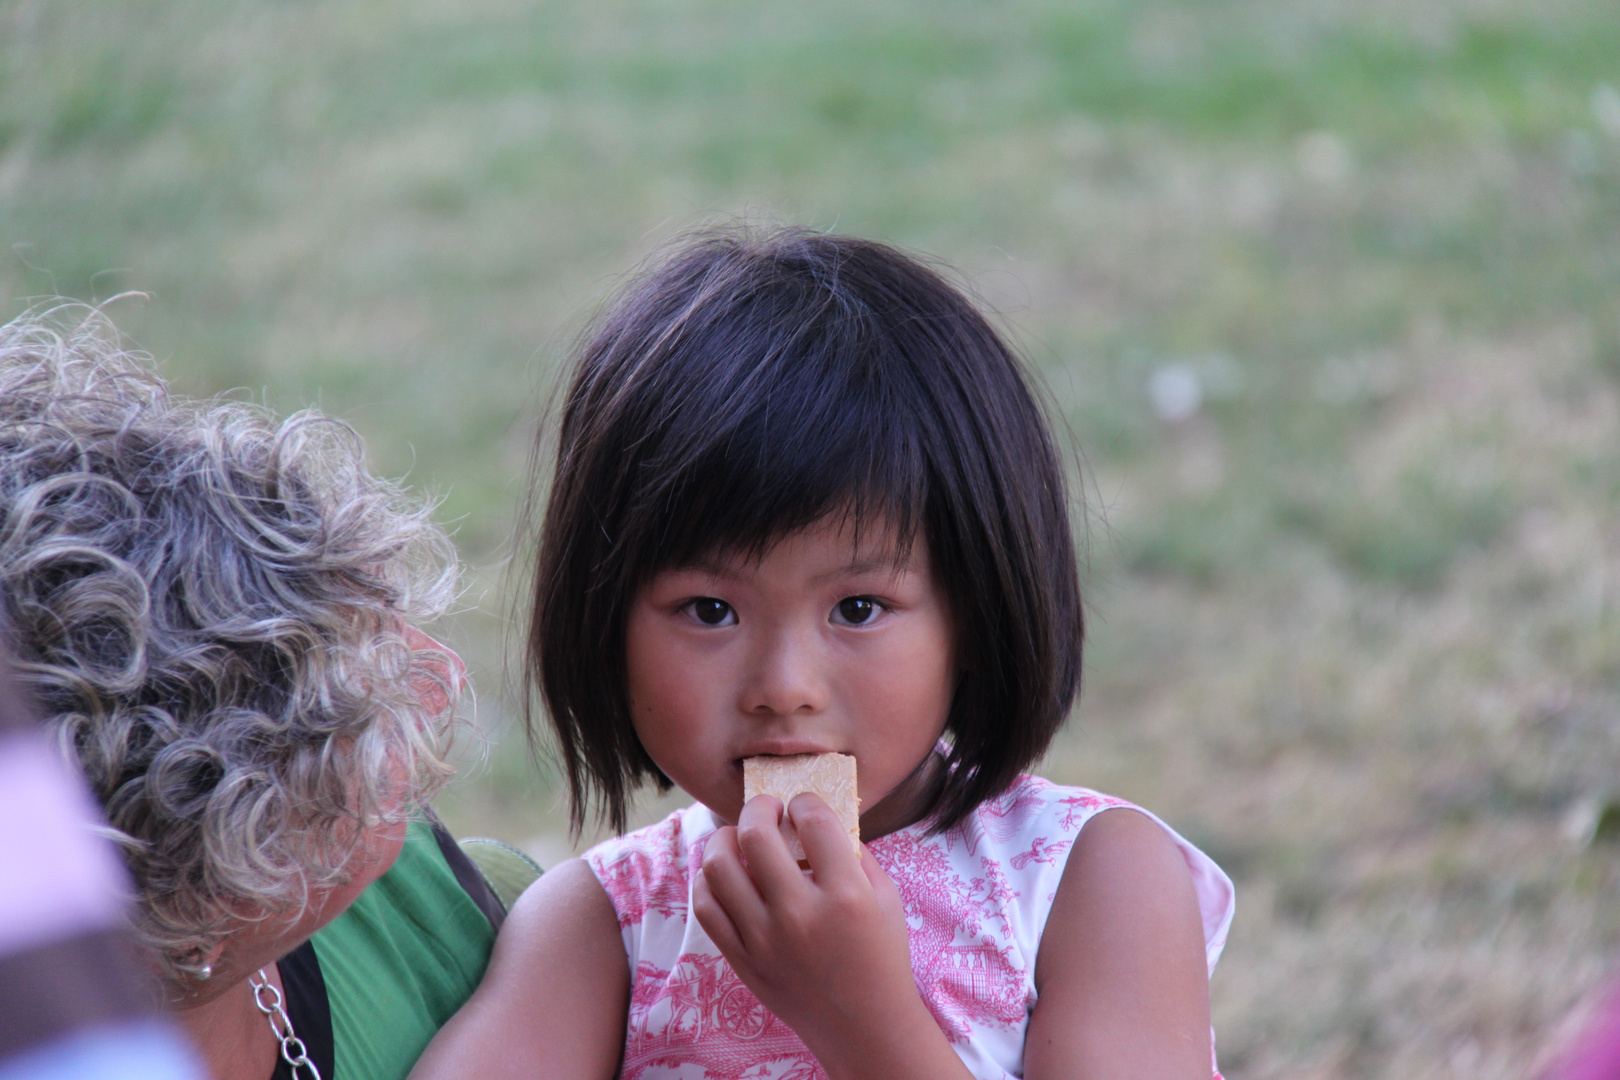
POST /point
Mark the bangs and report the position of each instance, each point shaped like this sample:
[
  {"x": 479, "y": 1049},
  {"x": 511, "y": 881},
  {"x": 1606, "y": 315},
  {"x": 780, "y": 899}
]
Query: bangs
[{"x": 770, "y": 442}]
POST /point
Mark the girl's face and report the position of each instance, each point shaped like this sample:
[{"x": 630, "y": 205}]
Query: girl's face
[{"x": 822, "y": 645}]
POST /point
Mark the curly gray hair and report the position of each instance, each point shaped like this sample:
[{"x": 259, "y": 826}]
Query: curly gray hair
[{"x": 209, "y": 607}]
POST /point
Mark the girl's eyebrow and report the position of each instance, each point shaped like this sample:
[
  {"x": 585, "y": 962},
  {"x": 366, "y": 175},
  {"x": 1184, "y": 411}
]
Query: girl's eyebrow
[
  {"x": 890, "y": 562},
  {"x": 703, "y": 566}
]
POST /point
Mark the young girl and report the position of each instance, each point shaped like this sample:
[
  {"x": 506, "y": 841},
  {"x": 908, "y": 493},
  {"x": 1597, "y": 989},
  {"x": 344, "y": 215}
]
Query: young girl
[{"x": 806, "y": 502}]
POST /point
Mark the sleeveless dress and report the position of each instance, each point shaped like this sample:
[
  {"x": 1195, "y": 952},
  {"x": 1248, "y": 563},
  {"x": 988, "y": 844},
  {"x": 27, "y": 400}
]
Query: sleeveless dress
[{"x": 976, "y": 899}]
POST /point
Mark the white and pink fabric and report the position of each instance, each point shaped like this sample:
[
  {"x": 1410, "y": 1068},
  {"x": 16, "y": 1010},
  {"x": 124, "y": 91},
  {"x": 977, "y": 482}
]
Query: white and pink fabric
[{"x": 976, "y": 900}]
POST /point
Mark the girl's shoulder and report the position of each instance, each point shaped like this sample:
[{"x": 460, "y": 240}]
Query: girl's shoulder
[
  {"x": 1035, "y": 802},
  {"x": 650, "y": 869},
  {"x": 1034, "y": 817},
  {"x": 1023, "y": 837},
  {"x": 670, "y": 841}
]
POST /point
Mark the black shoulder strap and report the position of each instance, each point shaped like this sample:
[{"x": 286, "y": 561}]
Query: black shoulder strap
[
  {"x": 467, "y": 875},
  {"x": 304, "y": 991}
]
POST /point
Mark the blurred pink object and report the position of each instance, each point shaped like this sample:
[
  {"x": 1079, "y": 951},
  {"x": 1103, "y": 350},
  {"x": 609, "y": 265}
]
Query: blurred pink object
[
  {"x": 61, "y": 879},
  {"x": 1596, "y": 1053}
]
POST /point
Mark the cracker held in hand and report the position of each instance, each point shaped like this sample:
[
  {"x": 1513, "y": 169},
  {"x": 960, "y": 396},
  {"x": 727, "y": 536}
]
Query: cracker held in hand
[{"x": 832, "y": 776}]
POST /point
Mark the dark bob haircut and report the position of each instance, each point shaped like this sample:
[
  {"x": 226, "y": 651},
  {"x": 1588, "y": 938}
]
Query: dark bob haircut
[{"x": 744, "y": 388}]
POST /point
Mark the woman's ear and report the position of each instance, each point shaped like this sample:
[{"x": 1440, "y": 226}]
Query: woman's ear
[{"x": 198, "y": 964}]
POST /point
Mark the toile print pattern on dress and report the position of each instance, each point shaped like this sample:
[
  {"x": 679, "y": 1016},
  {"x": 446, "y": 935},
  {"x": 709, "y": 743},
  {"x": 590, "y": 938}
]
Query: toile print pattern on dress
[{"x": 975, "y": 899}]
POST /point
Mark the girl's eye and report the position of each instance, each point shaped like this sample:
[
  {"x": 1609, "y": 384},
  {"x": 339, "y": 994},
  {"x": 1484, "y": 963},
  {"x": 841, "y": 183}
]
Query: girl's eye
[
  {"x": 855, "y": 610},
  {"x": 711, "y": 612}
]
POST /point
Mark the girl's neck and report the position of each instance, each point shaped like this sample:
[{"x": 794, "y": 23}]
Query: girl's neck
[{"x": 907, "y": 803}]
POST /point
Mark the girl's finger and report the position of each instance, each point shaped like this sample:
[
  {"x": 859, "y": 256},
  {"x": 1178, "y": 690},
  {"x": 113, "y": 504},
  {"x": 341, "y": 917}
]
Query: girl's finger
[
  {"x": 883, "y": 886},
  {"x": 731, "y": 885},
  {"x": 826, "y": 844},
  {"x": 774, "y": 870},
  {"x": 716, "y": 922}
]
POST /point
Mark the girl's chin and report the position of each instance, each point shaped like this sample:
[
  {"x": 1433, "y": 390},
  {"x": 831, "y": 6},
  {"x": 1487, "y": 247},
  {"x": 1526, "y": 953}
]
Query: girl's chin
[{"x": 721, "y": 817}]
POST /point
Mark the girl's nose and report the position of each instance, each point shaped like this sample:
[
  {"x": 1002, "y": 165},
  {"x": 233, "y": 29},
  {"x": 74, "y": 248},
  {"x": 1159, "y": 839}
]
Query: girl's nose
[{"x": 785, "y": 676}]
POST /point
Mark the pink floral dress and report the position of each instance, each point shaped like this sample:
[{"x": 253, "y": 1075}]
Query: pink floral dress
[{"x": 976, "y": 901}]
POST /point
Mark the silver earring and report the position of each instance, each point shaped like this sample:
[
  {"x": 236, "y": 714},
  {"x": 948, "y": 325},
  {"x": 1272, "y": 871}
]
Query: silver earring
[{"x": 197, "y": 968}]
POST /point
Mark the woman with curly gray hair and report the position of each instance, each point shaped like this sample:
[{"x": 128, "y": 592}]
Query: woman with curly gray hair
[{"x": 215, "y": 613}]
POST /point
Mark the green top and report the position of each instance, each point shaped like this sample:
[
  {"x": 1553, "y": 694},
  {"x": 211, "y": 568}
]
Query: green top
[{"x": 400, "y": 961}]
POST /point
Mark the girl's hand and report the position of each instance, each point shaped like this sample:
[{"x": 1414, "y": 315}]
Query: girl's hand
[{"x": 826, "y": 951}]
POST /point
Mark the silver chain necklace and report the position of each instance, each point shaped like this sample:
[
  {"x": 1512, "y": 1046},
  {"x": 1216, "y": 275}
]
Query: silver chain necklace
[{"x": 293, "y": 1051}]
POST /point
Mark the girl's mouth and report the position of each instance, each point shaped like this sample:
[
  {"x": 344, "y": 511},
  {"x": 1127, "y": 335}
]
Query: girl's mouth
[{"x": 784, "y": 748}]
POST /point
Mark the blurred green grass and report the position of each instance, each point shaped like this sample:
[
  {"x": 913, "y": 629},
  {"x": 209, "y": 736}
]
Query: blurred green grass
[{"x": 1354, "y": 613}]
